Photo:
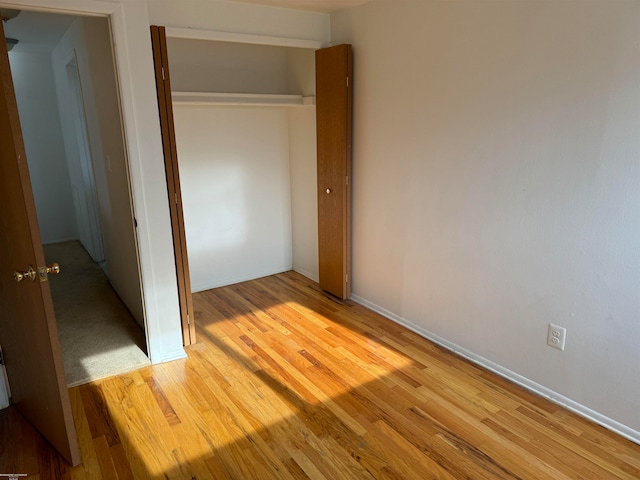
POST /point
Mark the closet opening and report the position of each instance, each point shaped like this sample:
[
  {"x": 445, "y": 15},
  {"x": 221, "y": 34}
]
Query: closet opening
[{"x": 244, "y": 121}]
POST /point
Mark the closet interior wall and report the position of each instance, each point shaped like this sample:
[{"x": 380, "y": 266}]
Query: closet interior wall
[{"x": 247, "y": 158}]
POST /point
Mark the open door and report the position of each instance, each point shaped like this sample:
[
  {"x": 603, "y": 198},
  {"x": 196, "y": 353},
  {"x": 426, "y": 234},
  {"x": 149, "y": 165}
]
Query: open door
[
  {"x": 28, "y": 329},
  {"x": 333, "y": 130},
  {"x": 165, "y": 107}
]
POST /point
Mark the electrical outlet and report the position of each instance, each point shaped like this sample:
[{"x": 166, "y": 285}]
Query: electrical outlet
[{"x": 556, "y": 336}]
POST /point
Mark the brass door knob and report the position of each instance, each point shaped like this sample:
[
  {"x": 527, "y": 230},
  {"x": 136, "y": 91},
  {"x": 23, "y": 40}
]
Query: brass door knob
[
  {"x": 328, "y": 190},
  {"x": 20, "y": 275},
  {"x": 53, "y": 268}
]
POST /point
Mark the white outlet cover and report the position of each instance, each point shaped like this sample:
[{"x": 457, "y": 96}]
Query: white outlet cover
[{"x": 556, "y": 336}]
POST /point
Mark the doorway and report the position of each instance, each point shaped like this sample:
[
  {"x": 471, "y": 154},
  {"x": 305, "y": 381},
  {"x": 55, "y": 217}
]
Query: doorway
[{"x": 69, "y": 108}]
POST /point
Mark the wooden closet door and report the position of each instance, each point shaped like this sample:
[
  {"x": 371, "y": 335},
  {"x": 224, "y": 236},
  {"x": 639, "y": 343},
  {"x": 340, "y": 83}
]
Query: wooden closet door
[
  {"x": 165, "y": 107},
  {"x": 333, "y": 124}
]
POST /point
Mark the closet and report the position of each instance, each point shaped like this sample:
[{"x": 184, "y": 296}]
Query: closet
[{"x": 244, "y": 116}]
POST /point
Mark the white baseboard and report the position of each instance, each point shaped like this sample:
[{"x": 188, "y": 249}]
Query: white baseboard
[
  {"x": 59, "y": 240},
  {"x": 173, "y": 355},
  {"x": 201, "y": 287},
  {"x": 309, "y": 275},
  {"x": 530, "y": 385}
]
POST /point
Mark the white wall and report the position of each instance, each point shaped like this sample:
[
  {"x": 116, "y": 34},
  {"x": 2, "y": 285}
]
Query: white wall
[
  {"x": 245, "y": 171},
  {"x": 42, "y": 132},
  {"x": 304, "y": 187},
  {"x": 301, "y": 79},
  {"x": 234, "y": 176},
  {"x": 209, "y": 66},
  {"x": 496, "y": 186},
  {"x": 236, "y": 17},
  {"x": 301, "y": 71},
  {"x": 91, "y": 39},
  {"x": 248, "y": 178}
]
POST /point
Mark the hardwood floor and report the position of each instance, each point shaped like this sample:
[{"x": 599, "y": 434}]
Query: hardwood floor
[{"x": 286, "y": 383}]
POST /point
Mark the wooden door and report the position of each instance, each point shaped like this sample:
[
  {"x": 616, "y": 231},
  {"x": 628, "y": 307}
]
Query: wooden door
[
  {"x": 163, "y": 87},
  {"x": 28, "y": 331},
  {"x": 333, "y": 130}
]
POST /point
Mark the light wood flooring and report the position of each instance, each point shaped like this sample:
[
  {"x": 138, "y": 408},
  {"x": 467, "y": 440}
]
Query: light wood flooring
[{"x": 286, "y": 383}]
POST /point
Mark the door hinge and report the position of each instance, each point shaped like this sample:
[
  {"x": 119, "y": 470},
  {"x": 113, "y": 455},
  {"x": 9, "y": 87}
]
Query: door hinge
[
  {"x": 346, "y": 278},
  {"x": 347, "y": 81},
  {"x": 188, "y": 319},
  {"x": 176, "y": 197},
  {"x": 347, "y": 180},
  {"x": 162, "y": 68}
]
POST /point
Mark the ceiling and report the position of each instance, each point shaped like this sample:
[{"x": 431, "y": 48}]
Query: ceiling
[
  {"x": 324, "y": 6},
  {"x": 36, "y": 31}
]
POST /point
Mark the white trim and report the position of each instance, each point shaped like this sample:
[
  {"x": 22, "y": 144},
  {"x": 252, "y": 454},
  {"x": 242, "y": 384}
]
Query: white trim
[
  {"x": 60, "y": 240},
  {"x": 530, "y": 385},
  {"x": 85, "y": 8},
  {"x": 309, "y": 275},
  {"x": 201, "y": 287},
  {"x": 241, "y": 99},
  {"x": 173, "y": 355},
  {"x": 212, "y": 35}
]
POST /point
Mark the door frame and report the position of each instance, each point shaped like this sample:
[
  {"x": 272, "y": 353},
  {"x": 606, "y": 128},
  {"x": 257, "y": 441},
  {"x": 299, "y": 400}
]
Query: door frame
[{"x": 129, "y": 22}]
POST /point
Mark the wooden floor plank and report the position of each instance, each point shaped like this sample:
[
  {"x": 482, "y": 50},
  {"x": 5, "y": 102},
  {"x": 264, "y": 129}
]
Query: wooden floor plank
[{"x": 286, "y": 382}]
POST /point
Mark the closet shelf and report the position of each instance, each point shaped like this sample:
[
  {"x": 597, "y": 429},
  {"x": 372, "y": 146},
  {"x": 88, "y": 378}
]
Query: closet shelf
[{"x": 247, "y": 99}]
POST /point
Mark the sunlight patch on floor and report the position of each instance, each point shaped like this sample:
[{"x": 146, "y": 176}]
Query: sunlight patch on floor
[
  {"x": 111, "y": 362},
  {"x": 255, "y": 357}
]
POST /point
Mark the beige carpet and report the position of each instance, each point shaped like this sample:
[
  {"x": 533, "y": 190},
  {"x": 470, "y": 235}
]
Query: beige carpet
[{"x": 98, "y": 335}]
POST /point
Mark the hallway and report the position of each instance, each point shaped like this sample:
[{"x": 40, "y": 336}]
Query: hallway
[{"x": 98, "y": 335}]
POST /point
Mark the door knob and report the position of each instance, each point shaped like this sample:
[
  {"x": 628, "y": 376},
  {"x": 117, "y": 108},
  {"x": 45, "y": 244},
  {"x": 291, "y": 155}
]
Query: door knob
[
  {"x": 328, "y": 190},
  {"x": 31, "y": 274},
  {"x": 53, "y": 268},
  {"x": 20, "y": 275}
]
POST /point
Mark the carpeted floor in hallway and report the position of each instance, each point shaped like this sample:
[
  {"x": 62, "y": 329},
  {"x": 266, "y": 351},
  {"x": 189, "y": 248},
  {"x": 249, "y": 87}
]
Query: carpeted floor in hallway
[{"x": 98, "y": 335}]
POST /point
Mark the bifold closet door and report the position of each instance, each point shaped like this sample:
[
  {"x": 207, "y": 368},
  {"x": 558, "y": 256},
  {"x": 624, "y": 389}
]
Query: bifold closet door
[
  {"x": 333, "y": 130},
  {"x": 163, "y": 87}
]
